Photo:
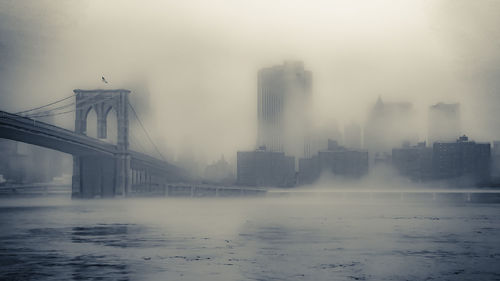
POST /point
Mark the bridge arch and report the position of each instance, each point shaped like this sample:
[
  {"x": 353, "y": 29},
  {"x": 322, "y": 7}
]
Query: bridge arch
[{"x": 103, "y": 101}]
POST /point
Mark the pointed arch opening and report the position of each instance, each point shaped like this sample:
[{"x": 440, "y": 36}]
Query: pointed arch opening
[
  {"x": 111, "y": 126},
  {"x": 91, "y": 123}
]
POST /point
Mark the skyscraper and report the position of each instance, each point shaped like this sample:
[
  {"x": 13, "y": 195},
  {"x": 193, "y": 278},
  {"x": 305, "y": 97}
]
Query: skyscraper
[
  {"x": 284, "y": 93},
  {"x": 444, "y": 122}
]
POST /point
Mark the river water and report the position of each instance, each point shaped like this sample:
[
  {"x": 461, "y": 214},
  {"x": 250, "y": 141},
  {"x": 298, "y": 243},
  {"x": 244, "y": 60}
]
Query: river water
[{"x": 285, "y": 238}]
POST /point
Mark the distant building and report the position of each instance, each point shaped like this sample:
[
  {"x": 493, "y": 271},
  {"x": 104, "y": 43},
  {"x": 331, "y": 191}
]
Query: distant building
[
  {"x": 414, "y": 162},
  {"x": 388, "y": 126},
  {"x": 284, "y": 93},
  {"x": 265, "y": 168},
  {"x": 462, "y": 159},
  {"x": 495, "y": 154},
  {"x": 219, "y": 172},
  {"x": 444, "y": 122},
  {"x": 309, "y": 170},
  {"x": 25, "y": 163},
  {"x": 352, "y": 136},
  {"x": 337, "y": 160}
]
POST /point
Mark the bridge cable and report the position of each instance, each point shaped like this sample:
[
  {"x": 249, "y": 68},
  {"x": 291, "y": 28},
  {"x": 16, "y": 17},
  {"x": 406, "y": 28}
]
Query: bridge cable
[
  {"x": 138, "y": 144},
  {"x": 47, "y": 112},
  {"x": 28, "y": 110},
  {"x": 77, "y": 106},
  {"x": 145, "y": 131}
]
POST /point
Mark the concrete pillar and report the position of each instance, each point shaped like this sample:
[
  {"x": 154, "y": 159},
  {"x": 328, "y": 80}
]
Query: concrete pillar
[
  {"x": 123, "y": 175},
  {"x": 75, "y": 179},
  {"x": 101, "y": 126},
  {"x": 123, "y": 124}
]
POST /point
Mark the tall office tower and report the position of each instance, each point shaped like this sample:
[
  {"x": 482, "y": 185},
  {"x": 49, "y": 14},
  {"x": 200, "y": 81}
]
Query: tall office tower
[
  {"x": 352, "y": 136},
  {"x": 388, "y": 126},
  {"x": 284, "y": 93},
  {"x": 444, "y": 122}
]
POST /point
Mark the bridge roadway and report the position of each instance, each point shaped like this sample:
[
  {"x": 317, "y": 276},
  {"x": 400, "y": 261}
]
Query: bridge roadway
[{"x": 98, "y": 164}]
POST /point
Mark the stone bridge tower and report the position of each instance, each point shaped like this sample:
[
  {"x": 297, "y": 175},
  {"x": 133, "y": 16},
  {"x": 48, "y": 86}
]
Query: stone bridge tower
[{"x": 100, "y": 175}]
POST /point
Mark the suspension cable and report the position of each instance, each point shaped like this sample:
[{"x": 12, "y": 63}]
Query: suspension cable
[
  {"x": 57, "y": 101},
  {"x": 145, "y": 131},
  {"x": 47, "y": 113},
  {"x": 61, "y": 107}
]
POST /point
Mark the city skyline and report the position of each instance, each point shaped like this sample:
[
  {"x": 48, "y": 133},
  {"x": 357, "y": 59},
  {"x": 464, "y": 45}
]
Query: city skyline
[
  {"x": 429, "y": 57},
  {"x": 214, "y": 140}
]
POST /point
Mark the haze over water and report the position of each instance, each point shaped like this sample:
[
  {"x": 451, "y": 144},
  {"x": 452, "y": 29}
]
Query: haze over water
[
  {"x": 192, "y": 68},
  {"x": 314, "y": 237}
]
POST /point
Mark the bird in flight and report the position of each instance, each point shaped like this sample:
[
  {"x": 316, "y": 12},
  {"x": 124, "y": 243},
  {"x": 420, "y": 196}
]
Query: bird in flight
[{"x": 104, "y": 80}]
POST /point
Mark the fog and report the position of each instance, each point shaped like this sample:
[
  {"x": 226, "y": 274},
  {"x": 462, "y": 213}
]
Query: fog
[{"x": 193, "y": 64}]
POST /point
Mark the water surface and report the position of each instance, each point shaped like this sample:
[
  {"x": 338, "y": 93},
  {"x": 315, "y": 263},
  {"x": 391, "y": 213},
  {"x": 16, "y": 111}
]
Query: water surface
[{"x": 299, "y": 238}]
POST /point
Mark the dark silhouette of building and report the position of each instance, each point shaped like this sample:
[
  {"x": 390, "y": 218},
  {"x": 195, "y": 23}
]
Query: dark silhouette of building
[
  {"x": 414, "y": 162},
  {"x": 284, "y": 93},
  {"x": 444, "y": 122},
  {"x": 462, "y": 159},
  {"x": 495, "y": 154},
  {"x": 265, "y": 168},
  {"x": 337, "y": 160}
]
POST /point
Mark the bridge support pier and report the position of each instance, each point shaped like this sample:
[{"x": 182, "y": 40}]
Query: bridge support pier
[
  {"x": 75, "y": 179},
  {"x": 101, "y": 176},
  {"x": 123, "y": 174}
]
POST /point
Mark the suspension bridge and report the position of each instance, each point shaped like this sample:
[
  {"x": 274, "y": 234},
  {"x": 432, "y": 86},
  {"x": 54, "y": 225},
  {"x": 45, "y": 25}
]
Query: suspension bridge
[{"x": 100, "y": 168}]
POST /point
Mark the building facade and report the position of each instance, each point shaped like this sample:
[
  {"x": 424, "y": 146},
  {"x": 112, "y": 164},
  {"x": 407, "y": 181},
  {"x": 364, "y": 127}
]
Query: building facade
[
  {"x": 265, "y": 168},
  {"x": 337, "y": 160},
  {"x": 464, "y": 159},
  {"x": 284, "y": 94},
  {"x": 413, "y": 162}
]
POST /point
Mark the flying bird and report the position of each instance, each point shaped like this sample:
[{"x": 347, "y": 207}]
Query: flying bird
[{"x": 104, "y": 80}]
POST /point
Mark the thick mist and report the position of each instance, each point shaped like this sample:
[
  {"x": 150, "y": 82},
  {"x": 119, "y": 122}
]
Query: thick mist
[{"x": 193, "y": 64}]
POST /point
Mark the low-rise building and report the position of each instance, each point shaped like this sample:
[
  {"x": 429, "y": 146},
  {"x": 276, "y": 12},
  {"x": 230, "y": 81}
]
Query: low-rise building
[
  {"x": 265, "y": 168},
  {"x": 337, "y": 160},
  {"x": 414, "y": 162},
  {"x": 462, "y": 159}
]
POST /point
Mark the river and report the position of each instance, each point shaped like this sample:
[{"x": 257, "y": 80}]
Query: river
[{"x": 271, "y": 238}]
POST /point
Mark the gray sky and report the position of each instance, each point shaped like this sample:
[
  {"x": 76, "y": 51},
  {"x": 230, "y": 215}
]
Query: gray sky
[{"x": 199, "y": 59}]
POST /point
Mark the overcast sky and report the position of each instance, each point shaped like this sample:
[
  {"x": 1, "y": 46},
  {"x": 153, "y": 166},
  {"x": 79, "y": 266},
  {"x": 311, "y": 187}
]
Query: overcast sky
[{"x": 199, "y": 59}]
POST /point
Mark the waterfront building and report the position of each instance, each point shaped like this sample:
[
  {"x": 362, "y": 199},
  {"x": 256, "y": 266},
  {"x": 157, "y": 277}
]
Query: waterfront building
[
  {"x": 495, "y": 161},
  {"x": 337, "y": 160},
  {"x": 414, "y": 162},
  {"x": 265, "y": 168},
  {"x": 462, "y": 159}
]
